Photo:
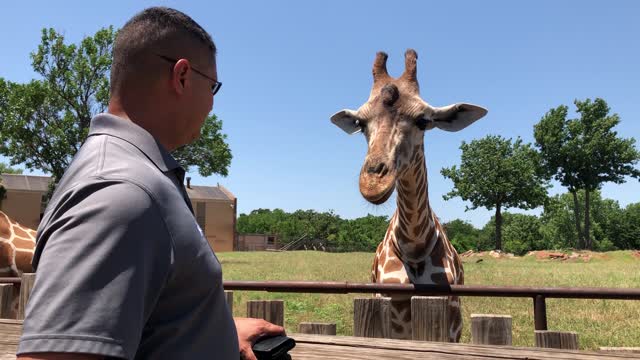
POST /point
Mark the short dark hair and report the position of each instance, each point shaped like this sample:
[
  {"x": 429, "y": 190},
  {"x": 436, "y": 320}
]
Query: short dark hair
[{"x": 148, "y": 31}]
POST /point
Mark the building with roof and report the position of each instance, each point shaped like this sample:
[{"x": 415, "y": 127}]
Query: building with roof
[
  {"x": 215, "y": 210},
  {"x": 24, "y": 198},
  {"x": 214, "y": 206}
]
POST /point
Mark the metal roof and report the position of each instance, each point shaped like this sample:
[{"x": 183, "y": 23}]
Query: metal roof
[
  {"x": 207, "y": 193},
  {"x": 41, "y": 183},
  {"x": 25, "y": 182}
]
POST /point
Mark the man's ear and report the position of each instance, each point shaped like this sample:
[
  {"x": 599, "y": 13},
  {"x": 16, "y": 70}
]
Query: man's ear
[
  {"x": 347, "y": 120},
  {"x": 455, "y": 117},
  {"x": 180, "y": 75}
]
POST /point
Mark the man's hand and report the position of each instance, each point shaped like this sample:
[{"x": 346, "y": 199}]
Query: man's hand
[{"x": 250, "y": 330}]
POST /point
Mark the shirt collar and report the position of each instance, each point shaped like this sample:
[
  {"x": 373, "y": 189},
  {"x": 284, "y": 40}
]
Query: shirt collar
[{"x": 108, "y": 124}]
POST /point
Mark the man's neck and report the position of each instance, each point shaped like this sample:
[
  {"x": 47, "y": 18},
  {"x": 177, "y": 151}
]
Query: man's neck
[{"x": 149, "y": 122}]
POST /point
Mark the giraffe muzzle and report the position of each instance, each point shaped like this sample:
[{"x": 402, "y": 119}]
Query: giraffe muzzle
[{"x": 377, "y": 182}]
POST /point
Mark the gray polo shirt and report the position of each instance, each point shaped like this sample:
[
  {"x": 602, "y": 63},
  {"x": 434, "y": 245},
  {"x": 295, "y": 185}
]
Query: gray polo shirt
[{"x": 123, "y": 270}]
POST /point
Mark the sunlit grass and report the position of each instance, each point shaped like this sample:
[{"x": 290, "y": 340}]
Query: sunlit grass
[{"x": 597, "y": 322}]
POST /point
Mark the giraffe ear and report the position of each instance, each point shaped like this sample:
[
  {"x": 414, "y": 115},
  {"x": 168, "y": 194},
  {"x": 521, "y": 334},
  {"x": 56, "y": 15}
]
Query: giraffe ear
[
  {"x": 347, "y": 120},
  {"x": 455, "y": 117}
]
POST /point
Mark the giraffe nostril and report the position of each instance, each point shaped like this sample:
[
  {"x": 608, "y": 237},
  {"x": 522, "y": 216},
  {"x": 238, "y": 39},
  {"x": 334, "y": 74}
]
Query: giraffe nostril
[
  {"x": 384, "y": 170},
  {"x": 380, "y": 169}
]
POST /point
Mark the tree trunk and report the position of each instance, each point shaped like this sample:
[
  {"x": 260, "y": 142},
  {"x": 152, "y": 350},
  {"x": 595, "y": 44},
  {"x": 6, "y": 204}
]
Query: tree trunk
[
  {"x": 587, "y": 221},
  {"x": 576, "y": 212},
  {"x": 498, "y": 228}
]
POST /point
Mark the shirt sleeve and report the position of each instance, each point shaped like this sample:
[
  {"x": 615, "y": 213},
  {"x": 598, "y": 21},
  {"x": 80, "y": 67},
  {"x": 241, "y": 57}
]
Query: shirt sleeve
[{"x": 105, "y": 256}]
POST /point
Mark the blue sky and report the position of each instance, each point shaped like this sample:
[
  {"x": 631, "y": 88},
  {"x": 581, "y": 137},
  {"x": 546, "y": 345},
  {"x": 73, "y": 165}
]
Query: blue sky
[{"x": 287, "y": 66}]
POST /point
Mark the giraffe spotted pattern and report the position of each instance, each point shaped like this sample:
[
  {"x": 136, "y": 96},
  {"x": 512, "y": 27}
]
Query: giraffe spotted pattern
[
  {"x": 17, "y": 244},
  {"x": 415, "y": 249}
]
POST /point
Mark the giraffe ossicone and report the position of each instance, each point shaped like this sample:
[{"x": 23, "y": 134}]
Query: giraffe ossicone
[{"x": 415, "y": 248}]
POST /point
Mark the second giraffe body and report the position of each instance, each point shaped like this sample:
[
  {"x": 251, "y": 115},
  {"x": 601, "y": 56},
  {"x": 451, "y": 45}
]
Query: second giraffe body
[
  {"x": 415, "y": 249},
  {"x": 16, "y": 251}
]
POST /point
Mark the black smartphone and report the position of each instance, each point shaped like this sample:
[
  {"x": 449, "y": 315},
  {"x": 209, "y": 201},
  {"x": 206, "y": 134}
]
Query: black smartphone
[{"x": 273, "y": 348}]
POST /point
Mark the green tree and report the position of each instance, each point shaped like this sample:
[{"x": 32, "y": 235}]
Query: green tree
[
  {"x": 210, "y": 153},
  {"x": 608, "y": 219},
  {"x": 361, "y": 234},
  {"x": 462, "y": 234},
  {"x": 44, "y": 122},
  {"x": 497, "y": 173},
  {"x": 629, "y": 227},
  {"x": 558, "y": 228},
  {"x": 522, "y": 234},
  {"x": 262, "y": 221},
  {"x": 6, "y": 169},
  {"x": 584, "y": 153}
]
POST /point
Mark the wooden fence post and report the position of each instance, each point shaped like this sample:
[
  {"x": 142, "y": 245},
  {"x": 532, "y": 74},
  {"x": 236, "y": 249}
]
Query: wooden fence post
[
  {"x": 372, "y": 317},
  {"x": 317, "y": 328},
  {"x": 488, "y": 329},
  {"x": 430, "y": 318},
  {"x": 228, "y": 295},
  {"x": 270, "y": 310},
  {"x": 557, "y": 339},
  {"x": 25, "y": 291},
  {"x": 6, "y": 300}
]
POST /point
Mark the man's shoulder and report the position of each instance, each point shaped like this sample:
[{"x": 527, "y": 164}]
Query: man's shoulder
[
  {"x": 115, "y": 157},
  {"x": 104, "y": 160},
  {"x": 114, "y": 169},
  {"x": 98, "y": 195}
]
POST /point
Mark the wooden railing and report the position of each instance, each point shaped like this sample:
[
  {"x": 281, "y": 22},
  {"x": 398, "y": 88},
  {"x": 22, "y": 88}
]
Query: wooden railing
[{"x": 372, "y": 314}]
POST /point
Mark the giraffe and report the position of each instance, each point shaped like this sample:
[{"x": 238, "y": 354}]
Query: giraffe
[
  {"x": 415, "y": 248},
  {"x": 17, "y": 244}
]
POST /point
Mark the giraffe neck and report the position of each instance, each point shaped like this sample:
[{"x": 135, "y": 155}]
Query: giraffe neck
[{"x": 415, "y": 229}]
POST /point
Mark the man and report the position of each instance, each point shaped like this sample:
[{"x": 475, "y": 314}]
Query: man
[{"x": 123, "y": 270}]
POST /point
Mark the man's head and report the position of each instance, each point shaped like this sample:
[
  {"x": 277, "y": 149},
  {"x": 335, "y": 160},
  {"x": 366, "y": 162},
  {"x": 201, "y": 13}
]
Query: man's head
[{"x": 163, "y": 74}]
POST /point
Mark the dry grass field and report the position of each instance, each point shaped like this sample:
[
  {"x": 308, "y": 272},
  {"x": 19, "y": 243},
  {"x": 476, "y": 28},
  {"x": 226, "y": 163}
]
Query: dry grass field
[{"x": 598, "y": 322}]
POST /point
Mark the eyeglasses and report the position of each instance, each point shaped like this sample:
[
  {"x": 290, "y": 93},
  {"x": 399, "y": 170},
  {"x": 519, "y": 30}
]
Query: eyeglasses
[{"x": 216, "y": 84}]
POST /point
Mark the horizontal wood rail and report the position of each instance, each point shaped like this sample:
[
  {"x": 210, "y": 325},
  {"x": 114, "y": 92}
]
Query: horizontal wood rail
[
  {"x": 538, "y": 294},
  {"x": 339, "y": 287}
]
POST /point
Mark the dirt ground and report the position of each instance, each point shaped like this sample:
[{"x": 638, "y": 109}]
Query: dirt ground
[{"x": 546, "y": 255}]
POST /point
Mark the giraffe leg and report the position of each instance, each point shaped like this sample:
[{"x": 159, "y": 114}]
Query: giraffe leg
[
  {"x": 401, "y": 318},
  {"x": 15, "y": 301}
]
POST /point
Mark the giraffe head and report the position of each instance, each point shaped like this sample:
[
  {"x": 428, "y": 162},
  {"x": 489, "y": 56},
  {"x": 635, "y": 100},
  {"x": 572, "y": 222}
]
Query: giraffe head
[{"x": 394, "y": 121}]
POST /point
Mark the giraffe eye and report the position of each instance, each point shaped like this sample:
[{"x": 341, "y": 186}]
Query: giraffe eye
[
  {"x": 361, "y": 124},
  {"x": 421, "y": 123}
]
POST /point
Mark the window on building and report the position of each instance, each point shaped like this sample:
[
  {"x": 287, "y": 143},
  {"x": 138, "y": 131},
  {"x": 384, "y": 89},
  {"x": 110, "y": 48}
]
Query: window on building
[
  {"x": 201, "y": 214},
  {"x": 43, "y": 204},
  {"x": 271, "y": 240}
]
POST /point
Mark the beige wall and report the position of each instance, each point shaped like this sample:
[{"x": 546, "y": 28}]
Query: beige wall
[
  {"x": 219, "y": 223},
  {"x": 23, "y": 206},
  {"x": 256, "y": 242},
  {"x": 251, "y": 242}
]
